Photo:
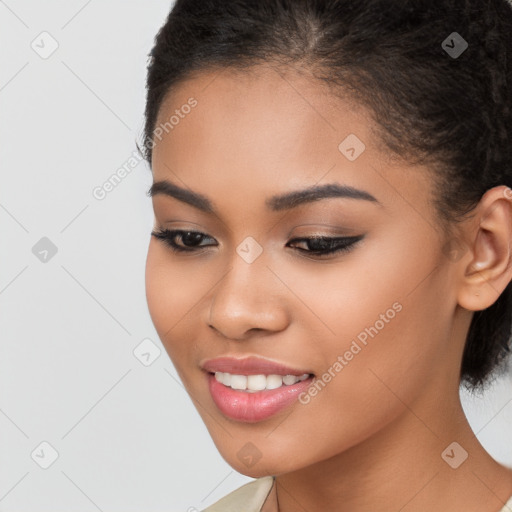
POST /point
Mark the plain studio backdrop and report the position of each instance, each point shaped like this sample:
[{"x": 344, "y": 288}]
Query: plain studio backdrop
[{"x": 92, "y": 414}]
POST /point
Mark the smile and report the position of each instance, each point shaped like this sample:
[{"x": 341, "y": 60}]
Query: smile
[{"x": 254, "y": 383}]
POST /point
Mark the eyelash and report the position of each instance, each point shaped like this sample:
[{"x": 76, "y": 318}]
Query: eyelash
[{"x": 345, "y": 243}]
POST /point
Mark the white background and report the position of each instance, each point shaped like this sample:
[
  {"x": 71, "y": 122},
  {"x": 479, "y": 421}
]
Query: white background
[{"x": 128, "y": 437}]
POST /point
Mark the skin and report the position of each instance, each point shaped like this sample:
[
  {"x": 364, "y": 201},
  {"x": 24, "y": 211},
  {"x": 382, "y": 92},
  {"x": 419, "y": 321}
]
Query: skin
[{"x": 372, "y": 438}]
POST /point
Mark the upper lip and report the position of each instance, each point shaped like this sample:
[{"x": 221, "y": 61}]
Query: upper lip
[{"x": 251, "y": 365}]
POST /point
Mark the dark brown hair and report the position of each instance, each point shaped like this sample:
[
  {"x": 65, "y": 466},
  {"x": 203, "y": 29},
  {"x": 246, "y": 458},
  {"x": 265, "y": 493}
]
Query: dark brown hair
[{"x": 393, "y": 57}]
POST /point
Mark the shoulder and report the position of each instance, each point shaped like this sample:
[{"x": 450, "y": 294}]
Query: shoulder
[
  {"x": 249, "y": 498},
  {"x": 508, "y": 506}
]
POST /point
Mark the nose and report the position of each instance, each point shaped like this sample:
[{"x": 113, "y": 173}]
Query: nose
[{"x": 247, "y": 299}]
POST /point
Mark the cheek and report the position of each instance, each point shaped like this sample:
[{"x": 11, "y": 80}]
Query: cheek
[
  {"x": 385, "y": 317},
  {"x": 159, "y": 284},
  {"x": 173, "y": 298}
]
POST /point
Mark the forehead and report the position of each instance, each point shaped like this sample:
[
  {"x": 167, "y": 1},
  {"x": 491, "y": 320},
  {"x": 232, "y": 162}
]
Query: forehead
[
  {"x": 260, "y": 131},
  {"x": 259, "y": 116}
]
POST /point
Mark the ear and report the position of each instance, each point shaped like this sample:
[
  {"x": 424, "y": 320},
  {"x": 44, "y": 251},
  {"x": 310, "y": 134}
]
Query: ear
[{"x": 486, "y": 268}]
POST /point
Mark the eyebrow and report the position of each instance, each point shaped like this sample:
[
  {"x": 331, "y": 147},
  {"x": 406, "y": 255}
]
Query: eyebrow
[{"x": 275, "y": 203}]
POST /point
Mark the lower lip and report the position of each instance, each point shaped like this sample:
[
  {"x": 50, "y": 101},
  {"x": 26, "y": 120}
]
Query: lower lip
[{"x": 254, "y": 407}]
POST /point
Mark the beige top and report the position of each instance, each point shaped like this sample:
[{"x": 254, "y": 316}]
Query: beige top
[{"x": 252, "y": 496}]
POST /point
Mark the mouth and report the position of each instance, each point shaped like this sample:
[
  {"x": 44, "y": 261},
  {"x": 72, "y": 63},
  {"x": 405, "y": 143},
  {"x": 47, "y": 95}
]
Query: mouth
[
  {"x": 250, "y": 405},
  {"x": 251, "y": 365},
  {"x": 255, "y": 383},
  {"x": 253, "y": 389}
]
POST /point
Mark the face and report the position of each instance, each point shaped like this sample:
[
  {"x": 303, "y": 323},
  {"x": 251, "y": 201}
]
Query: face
[{"x": 338, "y": 291}]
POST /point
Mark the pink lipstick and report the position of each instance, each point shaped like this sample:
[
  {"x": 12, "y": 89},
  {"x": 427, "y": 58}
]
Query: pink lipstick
[{"x": 254, "y": 389}]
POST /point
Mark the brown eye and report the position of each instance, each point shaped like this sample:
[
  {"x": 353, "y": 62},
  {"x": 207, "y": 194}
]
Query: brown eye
[
  {"x": 321, "y": 245},
  {"x": 190, "y": 239}
]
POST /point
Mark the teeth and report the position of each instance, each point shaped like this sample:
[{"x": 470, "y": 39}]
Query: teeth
[
  {"x": 256, "y": 382},
  {"x": 274, "y": 381},
  {"x": 238, "y": 381},
  {"x": 253, "y": 383},
  {"x": 290, "y": 379}
]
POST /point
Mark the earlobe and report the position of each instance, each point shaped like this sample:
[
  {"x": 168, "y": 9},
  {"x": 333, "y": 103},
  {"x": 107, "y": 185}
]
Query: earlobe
[{"x": 488, "y": 268}]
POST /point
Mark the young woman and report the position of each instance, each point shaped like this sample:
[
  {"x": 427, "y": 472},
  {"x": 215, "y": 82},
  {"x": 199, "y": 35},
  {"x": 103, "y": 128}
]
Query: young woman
[{"x": 331, "y": 254}]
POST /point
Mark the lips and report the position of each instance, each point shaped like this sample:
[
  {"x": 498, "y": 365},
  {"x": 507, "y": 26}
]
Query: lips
[
  {"x": 254, "y": 389},
  {"x": 250, "y": 366}
]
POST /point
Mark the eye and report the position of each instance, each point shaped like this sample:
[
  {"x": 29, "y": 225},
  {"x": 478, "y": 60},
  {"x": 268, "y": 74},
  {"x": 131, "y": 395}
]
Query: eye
[
  {"x": 190, "y": 239},
  {"x": 322, "y": 245},
  {"x": 317, "y": 246}
]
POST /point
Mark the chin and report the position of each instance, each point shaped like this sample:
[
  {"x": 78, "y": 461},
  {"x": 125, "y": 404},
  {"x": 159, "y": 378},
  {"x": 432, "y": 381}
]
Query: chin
[{"x": 259, "y": 467}]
